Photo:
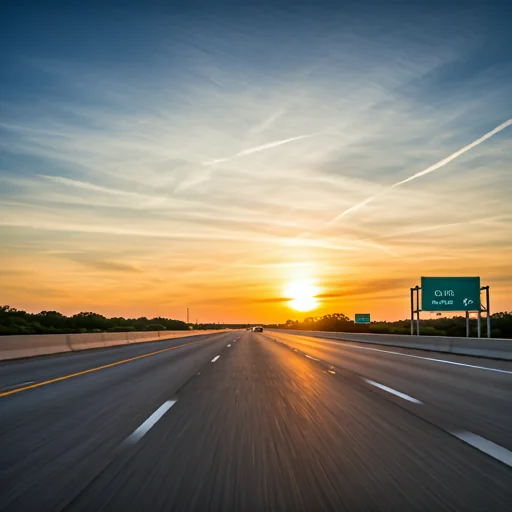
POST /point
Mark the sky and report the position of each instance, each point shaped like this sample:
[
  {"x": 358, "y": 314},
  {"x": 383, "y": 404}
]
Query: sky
[{"x": 157, "y": 156}]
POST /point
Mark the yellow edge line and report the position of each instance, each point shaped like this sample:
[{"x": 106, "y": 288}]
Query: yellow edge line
[{"x": 46, "y": 382}]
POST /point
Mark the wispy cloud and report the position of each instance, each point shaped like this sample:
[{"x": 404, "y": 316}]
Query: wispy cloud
[
  {"x": 269, "y": 121},
  {"x": 90, "y": 186},
  {"x": 103, "y": 265},
  {"x": 28, "y": 129}
]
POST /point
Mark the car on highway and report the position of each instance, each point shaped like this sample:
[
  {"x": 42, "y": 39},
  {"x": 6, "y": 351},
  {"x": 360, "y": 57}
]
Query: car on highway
[{"x": 258, "y": 328}]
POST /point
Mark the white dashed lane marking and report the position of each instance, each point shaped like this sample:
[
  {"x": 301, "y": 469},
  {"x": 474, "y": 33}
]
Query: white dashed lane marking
[
  {"x": 484, "y": 445},
  {"x": 393, "y": 391},
  {"x": 150, "y": 422}
]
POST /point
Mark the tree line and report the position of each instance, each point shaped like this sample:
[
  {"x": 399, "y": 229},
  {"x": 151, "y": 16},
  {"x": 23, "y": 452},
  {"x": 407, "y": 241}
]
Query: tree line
[
  {"x": 16, "y": 321},
  {"x": 501, "y": 325}
]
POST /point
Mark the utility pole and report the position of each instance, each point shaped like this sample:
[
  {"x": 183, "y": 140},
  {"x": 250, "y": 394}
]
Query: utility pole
[{"x": 187, "y": 316}]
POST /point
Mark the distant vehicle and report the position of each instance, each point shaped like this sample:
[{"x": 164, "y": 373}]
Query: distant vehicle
[{"x": 257, "y": 329}]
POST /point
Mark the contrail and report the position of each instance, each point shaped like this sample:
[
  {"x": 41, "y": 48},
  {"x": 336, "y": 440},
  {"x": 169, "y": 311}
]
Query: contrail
[
  {"x": 428, "y": 170},
  {"x": 259, "y": 148},
  {"x": 208, "y": 173}
]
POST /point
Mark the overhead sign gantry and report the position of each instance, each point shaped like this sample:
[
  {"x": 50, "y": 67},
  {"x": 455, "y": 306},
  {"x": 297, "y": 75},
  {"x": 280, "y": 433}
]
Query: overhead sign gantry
[{"x": 450, "y": 294}]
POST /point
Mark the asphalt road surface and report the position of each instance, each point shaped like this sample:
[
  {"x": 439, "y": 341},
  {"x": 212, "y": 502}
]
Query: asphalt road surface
[{"x": 243, "y": 421}]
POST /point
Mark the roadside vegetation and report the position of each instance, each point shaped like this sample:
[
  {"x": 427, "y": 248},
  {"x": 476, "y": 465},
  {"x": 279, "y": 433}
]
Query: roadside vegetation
[
  {"x": 16, "y": 321},
  {"x": 501, "y": 325}
]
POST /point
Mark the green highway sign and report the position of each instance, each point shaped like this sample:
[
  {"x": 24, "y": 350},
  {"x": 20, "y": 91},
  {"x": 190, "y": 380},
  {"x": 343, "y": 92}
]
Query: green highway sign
[
  {"x": 450, "y": 293},
  {"x": 362, "y": 318}
]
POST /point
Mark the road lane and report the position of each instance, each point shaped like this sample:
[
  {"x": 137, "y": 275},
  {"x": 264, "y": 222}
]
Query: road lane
[
  {"x": 19, "y": 372},
  {"x": 55, "y": 439},
  {"x": 446, "y": 357},
  {"x": 264, "y": 428},
  {"x": 480, "y": 400}
]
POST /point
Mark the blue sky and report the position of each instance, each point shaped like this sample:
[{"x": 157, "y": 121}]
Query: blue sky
[{"x": 207, "y": 155}]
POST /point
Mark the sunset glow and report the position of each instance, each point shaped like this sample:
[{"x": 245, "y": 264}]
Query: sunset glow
[
  {"x": 229, "y": 159},
  {"x": 303, "y": 295}
]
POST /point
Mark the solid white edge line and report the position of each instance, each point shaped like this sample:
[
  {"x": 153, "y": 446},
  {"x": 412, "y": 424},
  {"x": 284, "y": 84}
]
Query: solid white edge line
[
  {"x": 393, "y": 391},
  {"x": 348, "y": 344},
  {"x": 150, "y": 422},
  {"x": 215, "y": 359},
  {"x": 484, "y": 445},
  {"x": 436, "y": 360}
]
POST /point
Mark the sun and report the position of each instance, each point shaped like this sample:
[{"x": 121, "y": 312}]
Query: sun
[{"x": 303, "y": 295}]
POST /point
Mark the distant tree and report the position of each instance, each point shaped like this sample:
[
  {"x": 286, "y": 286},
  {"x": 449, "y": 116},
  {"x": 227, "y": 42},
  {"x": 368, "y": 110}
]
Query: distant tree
[
  {"x": 155, "y": 327},
  {"x": 502, "y": 322},
  {"x": 122, "y": 328},
  {"x": 51, "y": 319},
  {"x": 380, "y": 328},
  {"x": 89, "y": 321},
  {"x": 6, "y": 310}
]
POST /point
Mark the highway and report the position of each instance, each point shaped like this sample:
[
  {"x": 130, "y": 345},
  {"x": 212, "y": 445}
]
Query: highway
[{"x": 243, "y": 421}]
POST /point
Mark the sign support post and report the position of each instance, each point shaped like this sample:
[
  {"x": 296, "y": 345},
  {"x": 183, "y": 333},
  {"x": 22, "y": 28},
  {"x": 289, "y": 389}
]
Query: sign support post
[
  {"x": 418, "y": 310},
  {"x": 467, "y": 324},
  {"x": 412, "y": 311},
  {"x": 488, "y": 304},
  {"x": 487, "y": 309}
]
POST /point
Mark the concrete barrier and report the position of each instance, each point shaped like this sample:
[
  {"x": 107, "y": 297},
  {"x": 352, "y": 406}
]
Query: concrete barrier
[
  {"x": 110, "y": 339},
  {"x": 494, "y": 348},
  {"x": 31, "y": 345},
  {"x": 14, "y": 347}
]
